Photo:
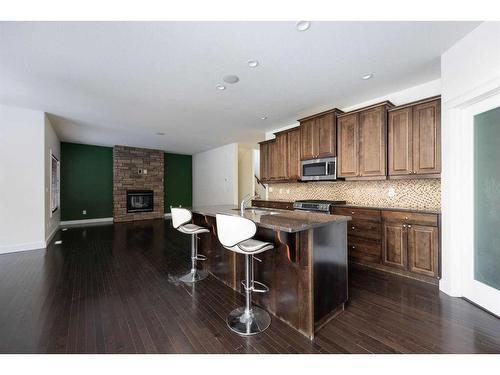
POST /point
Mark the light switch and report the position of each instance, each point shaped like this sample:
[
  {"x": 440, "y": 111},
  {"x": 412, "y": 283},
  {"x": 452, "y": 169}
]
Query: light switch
[{"x": 84, "y": 212}]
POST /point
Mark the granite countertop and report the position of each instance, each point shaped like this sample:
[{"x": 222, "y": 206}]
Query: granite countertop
[
  {"x": 279, "y": 220},
  {"x": 419, "y": 210}
]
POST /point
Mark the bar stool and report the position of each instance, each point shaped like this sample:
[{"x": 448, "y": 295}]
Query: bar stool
[
  {"x": 181, "y": 218},
  {"x": 235, "y": 233}
]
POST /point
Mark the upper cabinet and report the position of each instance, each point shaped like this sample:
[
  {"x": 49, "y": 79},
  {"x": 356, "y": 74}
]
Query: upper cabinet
[
  {"x": 318, "y": 135},
  {"x": 280, "y": 157},
  {"x": 361, "y": 140},
  {"x": 293, "y": 154},
  {"x": 414, "y": 139}
]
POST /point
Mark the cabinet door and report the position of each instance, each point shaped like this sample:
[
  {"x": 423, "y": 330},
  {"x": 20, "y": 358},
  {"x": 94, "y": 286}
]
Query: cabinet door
[
  {"x": 400, "y": 143},
  {"x": 327, "y": 135},
  {"x": 427, "y": 138},
  {"x": 394, "y": 245},
  {"x": 293, "y": 154},
  {"x": 423, "y": 250},
  {"x": 273, "y": 161},
  {"x": 264, "y": 161},
  {"x": 308, "y": 139},
  {"x": 372, "y": 142},
  {"x": 347, "y": 142},
  {"x": 280, "y": 157}
]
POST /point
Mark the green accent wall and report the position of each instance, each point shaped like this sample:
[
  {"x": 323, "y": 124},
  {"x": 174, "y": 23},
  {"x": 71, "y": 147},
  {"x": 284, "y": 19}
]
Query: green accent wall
[
  {"x": 86, "y": 181},
  {"x": 178, "y": 181}
]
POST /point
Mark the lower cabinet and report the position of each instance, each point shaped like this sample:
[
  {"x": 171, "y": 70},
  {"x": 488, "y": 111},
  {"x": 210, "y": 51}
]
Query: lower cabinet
[
  {"x": 411, "y": 242},
  {"x": 400, "y": 241}
]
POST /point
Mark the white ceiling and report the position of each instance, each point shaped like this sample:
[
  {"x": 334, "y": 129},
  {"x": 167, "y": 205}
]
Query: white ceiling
[{"x": 113, "y": 83}]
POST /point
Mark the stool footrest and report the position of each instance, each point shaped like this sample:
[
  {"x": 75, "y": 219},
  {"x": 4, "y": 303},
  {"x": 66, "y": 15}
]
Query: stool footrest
[
  {"x": 263, "y": 288},
  {"x": 200, "y": 257}
]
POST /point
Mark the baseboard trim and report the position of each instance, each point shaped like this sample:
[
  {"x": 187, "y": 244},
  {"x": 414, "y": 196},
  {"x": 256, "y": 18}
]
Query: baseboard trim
[
  {"x": 86, "y": 221},
  {"x": 22, "y": 247}
]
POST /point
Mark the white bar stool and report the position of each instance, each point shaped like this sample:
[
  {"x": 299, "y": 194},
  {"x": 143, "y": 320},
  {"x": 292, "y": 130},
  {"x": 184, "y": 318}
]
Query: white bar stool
[
  {"x": 181, "y": 220},
  {"x": 235, "y": 233}
]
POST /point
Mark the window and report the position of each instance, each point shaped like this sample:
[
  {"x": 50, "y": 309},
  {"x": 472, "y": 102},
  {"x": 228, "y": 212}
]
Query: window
[{"x": 54, "y": 184}]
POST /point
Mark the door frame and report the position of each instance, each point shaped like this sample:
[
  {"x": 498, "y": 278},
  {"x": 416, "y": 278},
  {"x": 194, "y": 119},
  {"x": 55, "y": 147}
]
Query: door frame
[{"x": 475, "y": 291}]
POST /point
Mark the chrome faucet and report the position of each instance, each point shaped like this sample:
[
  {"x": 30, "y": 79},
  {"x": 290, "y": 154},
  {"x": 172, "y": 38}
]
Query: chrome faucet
[{"x": 247, "y": 198}]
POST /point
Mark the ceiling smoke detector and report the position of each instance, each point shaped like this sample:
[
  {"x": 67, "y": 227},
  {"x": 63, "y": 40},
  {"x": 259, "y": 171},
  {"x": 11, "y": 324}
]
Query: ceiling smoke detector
[
  {"x": 367, "y": 76},
  {"x": 303, "y": 25},
  {"x": 220, "y": 87}
]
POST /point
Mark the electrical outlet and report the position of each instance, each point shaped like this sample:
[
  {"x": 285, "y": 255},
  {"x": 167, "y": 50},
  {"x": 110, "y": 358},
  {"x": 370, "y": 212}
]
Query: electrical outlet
[
  {"x": 144, "y": 171},
  {"x": 84, "y": 212}
]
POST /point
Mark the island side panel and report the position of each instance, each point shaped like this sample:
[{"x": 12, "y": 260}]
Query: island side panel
[
  {"x": 330, "y": 271},
  {"x": 287, "y": 271}
]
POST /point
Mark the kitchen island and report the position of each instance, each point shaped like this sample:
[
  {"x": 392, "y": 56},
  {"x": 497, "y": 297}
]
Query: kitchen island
[{"x": 306, "y": 272}]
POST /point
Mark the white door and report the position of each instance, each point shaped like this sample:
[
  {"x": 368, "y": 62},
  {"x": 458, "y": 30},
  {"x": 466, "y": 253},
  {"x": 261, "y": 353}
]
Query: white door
[{"x": 481, "y": 258}]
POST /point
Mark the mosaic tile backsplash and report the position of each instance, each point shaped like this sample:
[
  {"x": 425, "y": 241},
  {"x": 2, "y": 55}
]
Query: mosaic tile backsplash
[{"x": 424, "y": 194}]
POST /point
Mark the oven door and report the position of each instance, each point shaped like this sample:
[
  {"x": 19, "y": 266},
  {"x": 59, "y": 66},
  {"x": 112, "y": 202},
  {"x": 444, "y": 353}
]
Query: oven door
[{"x": 319, "y": 169}]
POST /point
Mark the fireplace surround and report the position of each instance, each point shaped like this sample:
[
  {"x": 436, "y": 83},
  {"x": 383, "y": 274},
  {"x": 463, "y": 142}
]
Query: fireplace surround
[{"x": 136, "y": 171}]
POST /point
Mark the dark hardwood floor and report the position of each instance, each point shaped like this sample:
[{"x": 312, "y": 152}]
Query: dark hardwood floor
[{"x": 115, "y": 289}]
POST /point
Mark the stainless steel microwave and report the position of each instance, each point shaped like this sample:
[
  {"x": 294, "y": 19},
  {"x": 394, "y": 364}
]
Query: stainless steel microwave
[{"x": 319, "y": 169}]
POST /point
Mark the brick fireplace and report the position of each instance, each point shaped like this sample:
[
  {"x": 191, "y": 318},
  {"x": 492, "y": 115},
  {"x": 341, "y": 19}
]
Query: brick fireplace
[{"x": 137, "y": 170}]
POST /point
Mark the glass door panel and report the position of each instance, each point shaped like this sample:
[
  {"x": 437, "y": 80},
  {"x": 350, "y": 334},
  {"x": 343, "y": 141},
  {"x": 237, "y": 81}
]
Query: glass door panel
[{"x": 487, "y": 198}]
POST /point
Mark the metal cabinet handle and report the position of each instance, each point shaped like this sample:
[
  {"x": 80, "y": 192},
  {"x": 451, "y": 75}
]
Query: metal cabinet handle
[
  {"x": 406, "y": 217},
  {"x": 352, "y": 212},
  {"x": 409, "y": 226},
  {"x": 352, "y": 227},
  {"x": 353, "y": 247},
  {"x": 404, "y": 225}
]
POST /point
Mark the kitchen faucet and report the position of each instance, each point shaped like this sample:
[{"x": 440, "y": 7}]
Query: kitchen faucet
[{"x": 244, "y": 201}]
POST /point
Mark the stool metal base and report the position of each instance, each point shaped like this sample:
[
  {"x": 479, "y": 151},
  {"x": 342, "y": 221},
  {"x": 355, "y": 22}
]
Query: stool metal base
[
  {"x": 247, "y": 326},
  {"x": 193, "y": 277}
]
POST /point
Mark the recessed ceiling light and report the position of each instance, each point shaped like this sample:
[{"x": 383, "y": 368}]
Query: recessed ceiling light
[
  {"x": 303, "y": 25},
  {"x": 367, "y": 76},
  {"x": 253, "y": 63},
  {"x": 220, "y": 87},
  {"x": 264, "y": 117},
  {"x": 231, "y": 78},
  {"x": 160, "y": 133}
]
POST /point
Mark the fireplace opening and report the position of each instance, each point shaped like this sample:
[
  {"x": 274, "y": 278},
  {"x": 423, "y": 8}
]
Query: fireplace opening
[{"x": 139, "y": 200}]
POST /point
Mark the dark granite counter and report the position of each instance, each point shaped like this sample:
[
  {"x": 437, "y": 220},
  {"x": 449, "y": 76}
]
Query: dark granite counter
[{"x": 275, "y": 219}]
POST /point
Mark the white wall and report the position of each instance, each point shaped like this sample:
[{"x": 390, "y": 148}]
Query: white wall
[
  {"x": 408, "y": 95},
  {"x": 470, "y": 72},
  {"x": 246, "y": 179},
  {"x": 215, "y": 176},
  {"x": 51, "y": 147},
  {"x": 21, "y": 179}
]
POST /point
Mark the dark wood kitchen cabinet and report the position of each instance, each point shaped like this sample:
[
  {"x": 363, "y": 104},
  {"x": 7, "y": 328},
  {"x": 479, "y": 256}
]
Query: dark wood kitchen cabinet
[
  {"x": 348, "y": 141},
  {"x": 414, "y": 139},
  {"x": 362, "y": 143},
  {"x": 264, "y": 160},
  {"x": 280, "y": 157},
  {"x": 411, "y": 242},
  {"x": 318, "y": 135},
  {"x": 293, "y": 154}
]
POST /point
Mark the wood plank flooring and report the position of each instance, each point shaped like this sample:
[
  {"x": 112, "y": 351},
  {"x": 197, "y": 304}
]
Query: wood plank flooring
[{"x": 115, "y": 289}]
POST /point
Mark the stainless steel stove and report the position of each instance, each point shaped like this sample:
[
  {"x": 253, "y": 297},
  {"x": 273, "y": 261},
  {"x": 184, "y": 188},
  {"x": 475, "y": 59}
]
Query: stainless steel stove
[{"x": 316, "y": 205}]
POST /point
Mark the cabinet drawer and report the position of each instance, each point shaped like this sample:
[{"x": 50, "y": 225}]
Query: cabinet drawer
[
  {"x": 364, "y": 250},
  {"x": 273, "y": 204},
  {"x": 358, "y": 213},
  {"x": 367, "y": 229},
  {"x": 411, "y": 217}
]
